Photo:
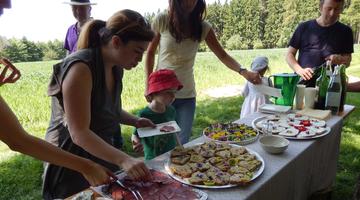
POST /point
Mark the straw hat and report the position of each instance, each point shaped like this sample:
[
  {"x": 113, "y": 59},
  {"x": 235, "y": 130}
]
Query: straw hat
[{"x": 79, "y": 2}]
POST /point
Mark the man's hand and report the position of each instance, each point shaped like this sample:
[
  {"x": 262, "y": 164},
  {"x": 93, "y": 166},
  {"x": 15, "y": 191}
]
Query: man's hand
[
  {"x": 4, "y": 76},
  {"x": 306, "y": 73},
  {"x": 339, "y": 59}
]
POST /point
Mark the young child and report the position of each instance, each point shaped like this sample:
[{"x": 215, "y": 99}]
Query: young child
[
  {"x": 162, "y": 85},
  {"x": 253, "y": 98}
]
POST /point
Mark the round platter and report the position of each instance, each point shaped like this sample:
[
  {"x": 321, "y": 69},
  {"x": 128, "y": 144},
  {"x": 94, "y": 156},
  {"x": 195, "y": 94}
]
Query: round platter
[
  {"x": 300, "y": 136},
  {"x": 241, "y": 142},
  {"x": 102, "y": 188},
  {"x": 257, "y": 173}
]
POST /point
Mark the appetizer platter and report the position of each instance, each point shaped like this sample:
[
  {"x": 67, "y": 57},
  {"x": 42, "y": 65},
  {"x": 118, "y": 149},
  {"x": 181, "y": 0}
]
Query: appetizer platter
[
  {"x": 234, "y": 133},
  {"x": 214, "y": 165},
  {"x": 292, "y": 126},
  {"x": 161, "y": 186}
]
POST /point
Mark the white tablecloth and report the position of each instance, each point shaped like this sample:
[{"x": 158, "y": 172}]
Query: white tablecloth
[{"x": 305, "y": 167}]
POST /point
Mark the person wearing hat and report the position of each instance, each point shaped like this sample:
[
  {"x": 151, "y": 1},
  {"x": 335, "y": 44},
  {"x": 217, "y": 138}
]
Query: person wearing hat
[
  {"x": 81, "y": 10},
  {"x": 162, "y": 86},
  {"x": 178, "y": 33},
  {"x": 253, "y": 98}
]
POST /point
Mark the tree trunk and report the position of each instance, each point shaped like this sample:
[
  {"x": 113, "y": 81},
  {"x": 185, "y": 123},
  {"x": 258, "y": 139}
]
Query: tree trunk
[{"x": 357, "y": 190}]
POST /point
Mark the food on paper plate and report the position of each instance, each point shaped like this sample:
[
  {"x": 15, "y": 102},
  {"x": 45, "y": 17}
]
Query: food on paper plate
[
  {"x": 228, "y": 161},
  {"x": 167, "y": 128},
  {"x": 291, "y": 132}
]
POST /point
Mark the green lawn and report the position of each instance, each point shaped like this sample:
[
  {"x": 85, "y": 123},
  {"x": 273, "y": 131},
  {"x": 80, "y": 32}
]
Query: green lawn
[{"x": 20, "y": 176}]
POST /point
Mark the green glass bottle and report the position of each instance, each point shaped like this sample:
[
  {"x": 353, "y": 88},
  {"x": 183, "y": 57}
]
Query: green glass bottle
[{"x": 322, "y": 83}]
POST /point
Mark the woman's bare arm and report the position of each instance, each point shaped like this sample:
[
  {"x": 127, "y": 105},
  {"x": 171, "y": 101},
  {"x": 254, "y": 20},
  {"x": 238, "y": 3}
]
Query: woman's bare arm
[
  {"x": 12, "y": 133},
  {"x": 76, "y": 89}
]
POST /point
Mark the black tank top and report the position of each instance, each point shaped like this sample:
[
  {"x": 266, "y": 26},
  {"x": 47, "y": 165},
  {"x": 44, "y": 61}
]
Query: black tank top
[{"x": 60, "y": 182}]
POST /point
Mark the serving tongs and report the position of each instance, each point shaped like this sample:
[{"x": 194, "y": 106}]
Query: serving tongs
[{"x": 135, "y": 193}]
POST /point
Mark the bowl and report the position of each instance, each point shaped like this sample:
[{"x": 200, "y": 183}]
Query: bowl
[{"x": 274, "y": 144}]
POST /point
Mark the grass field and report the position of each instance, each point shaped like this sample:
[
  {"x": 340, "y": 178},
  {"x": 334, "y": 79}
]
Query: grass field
[{"x": 20, "y": 176}]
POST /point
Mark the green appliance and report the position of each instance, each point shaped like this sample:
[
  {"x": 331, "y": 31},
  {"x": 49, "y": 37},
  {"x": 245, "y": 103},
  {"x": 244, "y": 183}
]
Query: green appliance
[{"x": 286, "y": 82}]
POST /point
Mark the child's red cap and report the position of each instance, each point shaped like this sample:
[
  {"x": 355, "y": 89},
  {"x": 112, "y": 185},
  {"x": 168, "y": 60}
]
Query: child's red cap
[{"x": 163, "y": 79}]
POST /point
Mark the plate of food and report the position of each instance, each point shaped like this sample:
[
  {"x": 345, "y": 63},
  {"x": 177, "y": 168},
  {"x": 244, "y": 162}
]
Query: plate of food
[
  {"x": 161, "y": 186},
  {"x": 292, "y": 126},
  {"x": 214, "y": 165},
  {"x": 231, "y": 133},
  {"x": 160, "y": 129}
]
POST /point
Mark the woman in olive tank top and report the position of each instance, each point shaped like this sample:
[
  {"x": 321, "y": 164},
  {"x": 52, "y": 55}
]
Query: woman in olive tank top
[{"x": 86, "y": 100}]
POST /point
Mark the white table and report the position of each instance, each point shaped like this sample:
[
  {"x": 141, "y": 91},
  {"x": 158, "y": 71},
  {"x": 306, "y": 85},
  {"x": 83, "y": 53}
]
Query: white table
[{"x": 305, "y": 167}]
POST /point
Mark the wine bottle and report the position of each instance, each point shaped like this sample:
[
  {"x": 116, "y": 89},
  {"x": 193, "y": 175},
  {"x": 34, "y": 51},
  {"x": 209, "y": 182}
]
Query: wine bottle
[
  {"x": 333, "y": 95},
  {"x": 322, "y": 83}
]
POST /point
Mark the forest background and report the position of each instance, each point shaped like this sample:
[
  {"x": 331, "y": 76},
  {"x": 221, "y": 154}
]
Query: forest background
[{"x": 239, "y": 24}]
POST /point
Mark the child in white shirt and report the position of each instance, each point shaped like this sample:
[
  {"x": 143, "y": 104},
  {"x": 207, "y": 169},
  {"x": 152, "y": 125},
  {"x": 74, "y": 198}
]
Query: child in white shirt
[{"x": 253, "y": 98}]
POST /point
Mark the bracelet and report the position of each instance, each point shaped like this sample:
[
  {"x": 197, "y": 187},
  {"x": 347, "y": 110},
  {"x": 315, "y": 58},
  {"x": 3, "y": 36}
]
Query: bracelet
[{"x": 241, "y": 70}]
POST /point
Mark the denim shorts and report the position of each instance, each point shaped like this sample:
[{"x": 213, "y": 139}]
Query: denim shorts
[{"x": 185, "y": 111}]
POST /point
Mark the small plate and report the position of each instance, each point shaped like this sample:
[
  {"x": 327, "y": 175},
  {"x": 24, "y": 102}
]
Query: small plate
[
  {"x": 271, "y": 108},
  {"x": 148, "y": 132}
]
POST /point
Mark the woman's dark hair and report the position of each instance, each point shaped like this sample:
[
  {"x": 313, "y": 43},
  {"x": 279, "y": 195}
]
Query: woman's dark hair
[
  {"x": 129, "y": 25},
  {"x": 177, "y": 21},
  {"x": 339, "y": 1}
]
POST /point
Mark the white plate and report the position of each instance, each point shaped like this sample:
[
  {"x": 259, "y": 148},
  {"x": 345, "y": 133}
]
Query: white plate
[
  {"x": 300, "y": 136},
  {"x": 148, "y": 132},
  {"x": 271, "y": 108},
  {"x": 243, "y": 142},
  {"x": 185, "y": 181}
]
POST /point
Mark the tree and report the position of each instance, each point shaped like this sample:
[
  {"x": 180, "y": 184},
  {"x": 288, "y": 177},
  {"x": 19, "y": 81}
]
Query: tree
[
  {"x": 351, "y": 17},
  {"x": 32, "y": 52},
  {"x": 3, "y": 44},
  {"x": 53, "y": 50},
  {"x": 273, "y": 22},
  {"x": 244, "y": 18},
  {"x": 215, "y": 15}
]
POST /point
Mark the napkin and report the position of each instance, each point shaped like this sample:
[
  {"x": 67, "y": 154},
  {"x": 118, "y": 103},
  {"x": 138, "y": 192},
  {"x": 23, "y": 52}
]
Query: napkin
[
  {"x": 318, "y": 114},
  {"x": 271, "y": 91}
]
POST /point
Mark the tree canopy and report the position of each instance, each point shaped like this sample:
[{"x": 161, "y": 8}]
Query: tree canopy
[{"x": 238, "y": 24}]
